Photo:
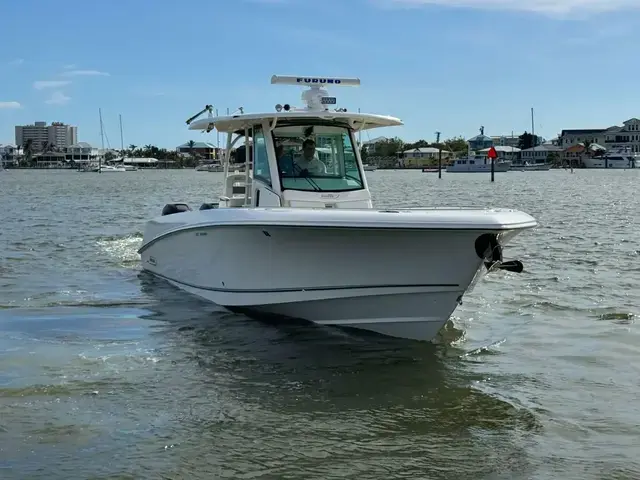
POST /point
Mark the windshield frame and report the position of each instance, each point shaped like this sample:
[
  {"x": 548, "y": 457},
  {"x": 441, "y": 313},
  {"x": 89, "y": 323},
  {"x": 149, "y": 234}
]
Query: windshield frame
[{"x": 312, "y": 180}]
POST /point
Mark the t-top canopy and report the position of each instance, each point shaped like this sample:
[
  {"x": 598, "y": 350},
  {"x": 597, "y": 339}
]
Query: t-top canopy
[{"x": 316, "y": 109}]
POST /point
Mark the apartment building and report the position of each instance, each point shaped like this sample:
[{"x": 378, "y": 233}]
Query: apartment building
[{"x": 58, "y": 135}]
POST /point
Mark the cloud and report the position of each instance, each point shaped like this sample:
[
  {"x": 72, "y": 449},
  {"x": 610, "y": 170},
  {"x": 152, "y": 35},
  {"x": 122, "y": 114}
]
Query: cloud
[
  {"x": 57, "y": 98},
  {"x": 548, "y": 7},
  {"x": 85, "y": 73},
  {"x": 71, "y": 66},
  {"x": 17, "y": 61},
  {"x": 9, "y": 105},
  {"x": 41, "y": 84}
]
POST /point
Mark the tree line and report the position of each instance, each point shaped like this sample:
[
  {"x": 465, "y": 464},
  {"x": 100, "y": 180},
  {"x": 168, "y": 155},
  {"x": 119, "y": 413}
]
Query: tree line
[{"x": 391, "y": 147}]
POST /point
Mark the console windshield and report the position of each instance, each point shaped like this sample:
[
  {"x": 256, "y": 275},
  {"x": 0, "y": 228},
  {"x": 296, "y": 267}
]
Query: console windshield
[{"x": 316, "y": 158}]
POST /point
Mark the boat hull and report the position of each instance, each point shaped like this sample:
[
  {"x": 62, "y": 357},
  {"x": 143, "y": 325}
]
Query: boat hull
[
  {"x": 619, "y": 163},
  {"x": 479, "y": 168},
  {"x": 399, "y": 282}
]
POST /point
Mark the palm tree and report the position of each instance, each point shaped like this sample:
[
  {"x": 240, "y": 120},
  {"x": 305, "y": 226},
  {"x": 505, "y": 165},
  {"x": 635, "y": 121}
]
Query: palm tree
[
  {"x": 587, "y": 149},
  {"x": 28, "y": 151},
  {"x": 192, "y": 145}
]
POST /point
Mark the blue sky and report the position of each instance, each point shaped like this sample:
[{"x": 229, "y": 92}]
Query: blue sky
[{"x": 447, "y": 65}]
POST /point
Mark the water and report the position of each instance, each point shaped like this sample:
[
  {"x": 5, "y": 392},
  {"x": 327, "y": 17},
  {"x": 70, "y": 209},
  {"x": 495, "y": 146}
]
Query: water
[{"x": 106, "y": 373}]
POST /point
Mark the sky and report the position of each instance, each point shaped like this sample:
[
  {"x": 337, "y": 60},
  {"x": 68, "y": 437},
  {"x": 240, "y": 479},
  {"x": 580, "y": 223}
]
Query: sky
[{"x": 439, "y": 65}]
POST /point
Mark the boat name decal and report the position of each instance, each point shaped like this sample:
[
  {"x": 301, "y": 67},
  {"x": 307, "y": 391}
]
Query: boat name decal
[{"x": 152, "y": 261}]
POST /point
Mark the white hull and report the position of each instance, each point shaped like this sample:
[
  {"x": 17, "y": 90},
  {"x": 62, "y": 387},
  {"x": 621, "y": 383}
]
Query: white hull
[
  {"x": 326, "y": 274},
  {"x": 479, "y": 167},
  {"x": 629, "y": 162},
  {"x": 110, "y": 169},
  {"x": 535, "y": 167}
]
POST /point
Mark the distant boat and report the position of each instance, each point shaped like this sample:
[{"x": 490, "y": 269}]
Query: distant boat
[
  {"x": 369, "y": 168},
  {"x": 621, "y": 157},
  {"x": 531, "y": 167},
  {"x": 478, "y": 164},
  {"x": 112, "y": 168}
]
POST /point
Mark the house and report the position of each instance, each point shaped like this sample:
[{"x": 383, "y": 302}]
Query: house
[
  {"x": 569, "y": 138},
  {"x": 82, "y": 152},
  {"x": 628, "y": 135},
  {"x": 507, "y": 153},
  {"x": 419, "y": 157},
  {"x": 204, "y": 150},
  {"x": 9, "y": 154},
  {"x": 573, "y": 155},
  {"x": 545, "y": 153},
  {"x": 480, "y": 142},
  {"x": 371, "y": 146},
  {"x": 506, "y": 141}
]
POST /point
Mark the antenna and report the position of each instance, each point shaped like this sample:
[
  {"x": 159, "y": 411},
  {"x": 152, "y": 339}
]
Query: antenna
[
  {"x": 207, "y": 108},
  {"x": 316, "y": 98},
  {"x": 314, "y": 81}
]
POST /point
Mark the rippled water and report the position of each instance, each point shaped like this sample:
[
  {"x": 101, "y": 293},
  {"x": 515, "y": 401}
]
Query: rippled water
[{"x": 107, "y": 373}]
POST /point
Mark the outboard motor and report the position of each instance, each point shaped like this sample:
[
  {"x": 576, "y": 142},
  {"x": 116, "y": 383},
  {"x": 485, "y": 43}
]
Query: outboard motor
[
  {"x": 171, "y": 208},
  {"x": 208, "y": 206},
  {"x": 489, "y": 249}
]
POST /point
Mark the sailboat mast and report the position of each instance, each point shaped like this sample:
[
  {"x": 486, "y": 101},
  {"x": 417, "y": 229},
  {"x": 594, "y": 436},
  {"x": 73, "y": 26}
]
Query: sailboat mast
[
  {"x": 102, "y": 141},
  {"x": 101, "y": 128},
  {"x": 121, "y": 136},
  {"x": 533, "y": 137}
]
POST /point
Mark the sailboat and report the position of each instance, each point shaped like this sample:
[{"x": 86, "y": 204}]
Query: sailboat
[
  {"x": 533, "y": 166},
  {"x": 127, "y": 168}
]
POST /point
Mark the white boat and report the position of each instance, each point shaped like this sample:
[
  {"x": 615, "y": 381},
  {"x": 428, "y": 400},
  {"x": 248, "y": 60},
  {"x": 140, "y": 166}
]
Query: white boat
[
  {"x": 621, "y": 157},
  {"x": 112, "y": 168},
  {"x": 89, "y": 168},
  {"x": 478, "y": 164},
  {"x": 369, "y": 168},
  {"x": 296, "y": 234},
  {"x": 203, "y": 167},
  {"x": 531, "y": 167}
]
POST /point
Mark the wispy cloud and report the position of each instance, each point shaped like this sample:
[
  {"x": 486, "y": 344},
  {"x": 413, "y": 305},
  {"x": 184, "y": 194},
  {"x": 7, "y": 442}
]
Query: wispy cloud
[
  {"x": 85, "y": 73},
  {"x": 70, "y": 66},
  {"x": 17, "y": 61},
  {"x": 9, "y": 105},
  {"x": 57, "y": 98},
  {"x": 549, "y": 7},
  {"x": 42, "y": 84}
]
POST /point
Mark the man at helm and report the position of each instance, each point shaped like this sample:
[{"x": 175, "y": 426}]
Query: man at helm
[{"x": 309, "y": 160}]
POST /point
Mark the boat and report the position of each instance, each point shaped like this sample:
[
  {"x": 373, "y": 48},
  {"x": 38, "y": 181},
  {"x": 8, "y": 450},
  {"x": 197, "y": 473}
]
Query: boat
[
  {"x": 369, "y": 168},
  {"x": 432, "y": 170},
  {"x": 478, "y": 164},
  {"x": 296, "y": 235},
  {"x": 531, "y": 167},
  {"x": 112, "y": 168},
  {"x": 88, "y": 168},
  {"x": 619, "y": 157},
  {"x": 203, "y": 167}
]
